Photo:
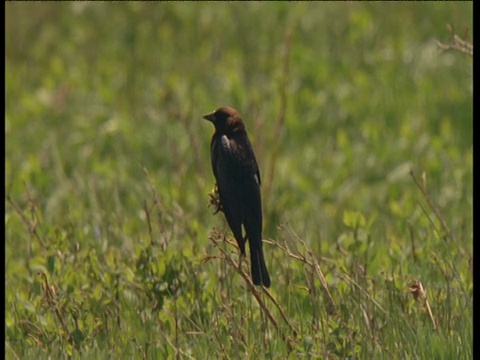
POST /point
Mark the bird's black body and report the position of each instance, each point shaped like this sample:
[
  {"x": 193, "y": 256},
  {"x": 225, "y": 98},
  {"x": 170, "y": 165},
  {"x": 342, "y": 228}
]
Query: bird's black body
[{"x": 238, "y": 181}]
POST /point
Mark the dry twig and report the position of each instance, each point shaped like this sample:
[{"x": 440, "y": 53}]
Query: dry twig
[
  {"x": 256, "y": 293},
  {"x": 423, "y": 189},
  {"x": 456, "y": 43},
  {"x": 418, "y": 292}
]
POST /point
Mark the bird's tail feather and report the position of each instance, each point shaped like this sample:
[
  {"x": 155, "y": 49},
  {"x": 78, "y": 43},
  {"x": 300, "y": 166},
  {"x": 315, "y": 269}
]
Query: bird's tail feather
[{"x": 259, "y": 270}]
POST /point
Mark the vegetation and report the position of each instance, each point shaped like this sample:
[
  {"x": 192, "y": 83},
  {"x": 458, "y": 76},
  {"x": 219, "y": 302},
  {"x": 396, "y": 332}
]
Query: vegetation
[{"x": 362, "y": 127}]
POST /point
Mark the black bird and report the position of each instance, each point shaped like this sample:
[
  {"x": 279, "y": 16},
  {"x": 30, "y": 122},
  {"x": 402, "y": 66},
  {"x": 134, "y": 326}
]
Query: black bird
[{"x": 238, "y": 181}]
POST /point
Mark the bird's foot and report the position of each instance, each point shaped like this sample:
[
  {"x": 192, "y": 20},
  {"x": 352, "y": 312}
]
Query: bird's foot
[{"x": 214, "y": 200}]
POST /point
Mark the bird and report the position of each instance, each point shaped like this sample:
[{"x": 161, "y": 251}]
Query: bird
[{"x": 238, "y": 182}]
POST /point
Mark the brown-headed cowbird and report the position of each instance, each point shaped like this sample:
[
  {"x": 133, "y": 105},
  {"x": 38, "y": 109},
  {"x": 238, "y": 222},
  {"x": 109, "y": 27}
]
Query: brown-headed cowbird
[{"x": 238, "y": 181}]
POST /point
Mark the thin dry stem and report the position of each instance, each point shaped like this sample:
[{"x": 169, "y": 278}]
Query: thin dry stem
[
  {"x": 426, "y": 196},
  {"x": 140, "y": 348},
  {"x": 312, "y": 261},
  {"x": 456, "y": 43},
  {"x": 50, "y": 297},
  {"x": 412, "y": 239},
  {"x": 256, "y": 294},
  {"x": 418, "y": 292},
  {"x": 31, "y": 225},
  {"x": 350, "y": 280},
  {"x": 279, "y": 122}
]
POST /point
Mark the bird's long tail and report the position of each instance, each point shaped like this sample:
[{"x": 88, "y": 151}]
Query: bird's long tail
[{"x": 259, "y": 270}]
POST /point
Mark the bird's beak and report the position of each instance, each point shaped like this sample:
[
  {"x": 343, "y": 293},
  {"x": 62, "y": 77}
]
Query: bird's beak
[{"x": 210, "y": 117}]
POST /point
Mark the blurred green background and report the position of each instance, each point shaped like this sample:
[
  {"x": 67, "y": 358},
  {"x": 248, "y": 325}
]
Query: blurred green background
[{"x": 103, "y": 120}]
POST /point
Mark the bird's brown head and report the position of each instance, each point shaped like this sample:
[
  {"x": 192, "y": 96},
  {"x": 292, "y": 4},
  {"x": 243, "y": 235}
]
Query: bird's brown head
[{"x": 226, "y": 120}]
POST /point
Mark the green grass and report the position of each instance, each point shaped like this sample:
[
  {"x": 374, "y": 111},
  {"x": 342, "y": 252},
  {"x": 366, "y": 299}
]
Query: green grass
[{"x": 111, "y": 251}]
